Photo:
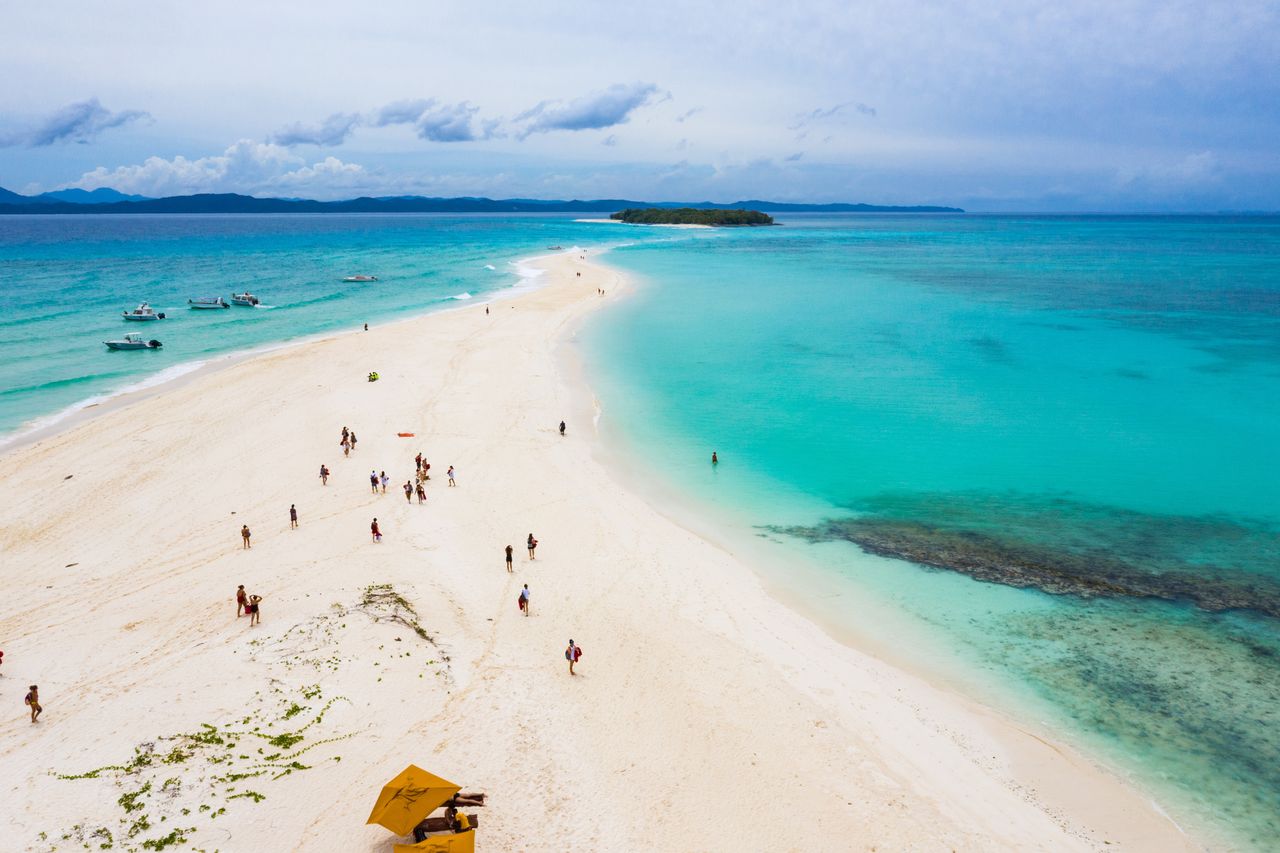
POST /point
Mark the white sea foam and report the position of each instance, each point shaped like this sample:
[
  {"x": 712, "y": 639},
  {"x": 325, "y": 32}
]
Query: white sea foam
[
  {"x": 490, "y": 267},
  {"x": 463, "y": 295}
]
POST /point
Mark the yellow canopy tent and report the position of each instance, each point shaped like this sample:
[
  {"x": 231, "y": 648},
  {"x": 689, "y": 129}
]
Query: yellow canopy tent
[
  {"x": 409, "y": 798},
  {"x": 462, "y": 842}
]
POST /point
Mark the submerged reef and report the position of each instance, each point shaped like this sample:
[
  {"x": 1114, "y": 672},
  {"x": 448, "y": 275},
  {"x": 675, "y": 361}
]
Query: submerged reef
[{"x": 1065, "y": 548}]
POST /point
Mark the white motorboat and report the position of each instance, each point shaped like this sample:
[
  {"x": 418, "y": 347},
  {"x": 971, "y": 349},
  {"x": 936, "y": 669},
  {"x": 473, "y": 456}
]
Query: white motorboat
[
  {"x": 143, "y": 312},
  {"x": 361, "y": 278},
  {"x": 247, "y": 299},
  {"x": 132, "y": 341},
  {"x": 208, "y": 302}
]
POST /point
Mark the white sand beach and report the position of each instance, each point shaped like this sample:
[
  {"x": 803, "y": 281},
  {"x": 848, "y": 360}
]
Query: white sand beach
[{"x": 705, "y": 715}]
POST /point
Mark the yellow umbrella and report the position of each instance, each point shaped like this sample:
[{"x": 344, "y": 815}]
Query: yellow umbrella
[
  {"x": 463, "y": 842},
  {"x": 410, "y": 797}
]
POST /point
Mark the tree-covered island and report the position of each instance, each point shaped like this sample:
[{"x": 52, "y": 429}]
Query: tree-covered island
[{"x": 691, "y": 216}]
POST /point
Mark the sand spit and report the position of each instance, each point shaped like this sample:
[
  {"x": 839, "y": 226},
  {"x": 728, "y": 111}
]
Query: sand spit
[{"x": 705, "y": 715}]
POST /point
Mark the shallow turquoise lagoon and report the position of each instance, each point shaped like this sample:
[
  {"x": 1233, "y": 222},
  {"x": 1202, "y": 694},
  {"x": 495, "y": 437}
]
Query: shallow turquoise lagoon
[{"x": 1069, "y": 427}]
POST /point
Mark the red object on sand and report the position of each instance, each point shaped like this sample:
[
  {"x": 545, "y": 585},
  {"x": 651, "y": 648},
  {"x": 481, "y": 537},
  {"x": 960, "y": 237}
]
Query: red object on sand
[{"x": 405, "y": 434}]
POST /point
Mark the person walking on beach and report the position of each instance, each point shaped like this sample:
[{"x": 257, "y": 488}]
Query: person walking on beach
[
  {"x": 571, "y": 654},
  {"x": 523, "y": 601},
  {"x": 242, "y": 601},
  {"x": 422, "y": 494},
  {"x": 408, "y": 492},
  {"x": 562, "y": 427},
  {"x": 426, "y": 470},
  {"x": 33, "y": 702},
  {"x": 384, "y": 479},
  {"x": 375, "y": 531},
  {"x": 417, "y": 462},
  {"x": 532, "y": 544},
  {"x": 324, "y": 475},
  {"x": 245, "y": 534},
  {"x": 373, "y": 481},
  {"x": 452, "y": 482},
  {"x": 346, "y": 446},
  {"x": 293, "y": 517},
  {"x": 255, "y": 616},
  {"x": 353, "y": 439},
  {"x": 509, "y": 552}
]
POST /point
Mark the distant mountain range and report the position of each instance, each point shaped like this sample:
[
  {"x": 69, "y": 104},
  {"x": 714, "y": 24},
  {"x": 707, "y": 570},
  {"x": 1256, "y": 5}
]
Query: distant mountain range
[{"x": 105, "y": 200}]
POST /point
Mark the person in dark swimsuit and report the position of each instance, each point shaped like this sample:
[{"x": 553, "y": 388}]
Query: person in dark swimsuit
[{"x": 509, "y": 550}]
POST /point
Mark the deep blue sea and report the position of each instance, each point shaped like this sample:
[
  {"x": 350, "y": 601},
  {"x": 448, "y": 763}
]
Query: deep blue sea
[{"x": 1037, "y": 455}]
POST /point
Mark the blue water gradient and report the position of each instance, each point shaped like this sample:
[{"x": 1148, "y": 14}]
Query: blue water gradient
[
  {"x": 1094, "y": 398},
  {"x": 66, "y": 280}
]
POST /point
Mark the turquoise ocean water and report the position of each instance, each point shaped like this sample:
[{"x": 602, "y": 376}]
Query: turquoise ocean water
[
  {"x": 1071, "y": 426},
  {"x": 1074, "y": 421}
]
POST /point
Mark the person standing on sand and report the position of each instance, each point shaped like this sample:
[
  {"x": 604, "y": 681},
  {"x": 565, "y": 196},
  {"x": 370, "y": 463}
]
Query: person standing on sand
[
  {"x": 408, "y": 492},
  {"x": 452, "y": 482},
  {"x": 509, "y": 552},
  {"x": 426, "y": 470},
  {"x": 33, "y": 702},
  {"x": 523, "y": 600},
  {"x": 324, "y": 475},
  {"x": 532, "y": 544},
  {"x": 293, "y": 516},
  {"x": 346, "y": 435},
  {"x": 346, "y": 446},
  {"x": 422, "y": 494},
  {"x": 417, "y": 462},
  {"x": 244, "y": 534},
  {"x": 242, "y": 601},
  {"x": 375, "y": 531},
  {"x": 571, "y": 654},
  {"x": 562, "y": 427},
  {"x": 373, "y": 481},
  {"x": 384, "y": 479},
  {"x": 353, "y": 439},
  {"x": 255, "y": 616}
]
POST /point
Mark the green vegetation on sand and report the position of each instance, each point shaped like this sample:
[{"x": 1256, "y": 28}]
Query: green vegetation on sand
[{"x": 691, "y": 216}]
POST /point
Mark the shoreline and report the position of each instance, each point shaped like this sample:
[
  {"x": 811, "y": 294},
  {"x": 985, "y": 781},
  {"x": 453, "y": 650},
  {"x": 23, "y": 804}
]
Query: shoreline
[
  {"x": 54, "y": 423},
  {"x": 867, "y": 751}
]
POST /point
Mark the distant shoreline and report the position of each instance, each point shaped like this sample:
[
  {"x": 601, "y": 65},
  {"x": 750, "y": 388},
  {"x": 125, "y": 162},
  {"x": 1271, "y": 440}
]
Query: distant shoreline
[{"x": 14, "y": 204}]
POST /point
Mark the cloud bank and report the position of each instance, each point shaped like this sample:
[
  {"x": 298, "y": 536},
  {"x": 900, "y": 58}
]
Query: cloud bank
[
  {"x": 246, "y": 167},
  {"x": 80, "y": 122}
]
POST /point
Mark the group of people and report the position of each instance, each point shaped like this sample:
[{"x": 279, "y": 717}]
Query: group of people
[
  {"x": 348, "y": 442},
  {"x": 247, "y": 605}
]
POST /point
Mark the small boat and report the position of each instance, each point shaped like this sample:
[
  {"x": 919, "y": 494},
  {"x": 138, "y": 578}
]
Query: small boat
[
  {"x": 143, "y": 312},
  {"x": 132, "y": 341},
  {"x": 247, "y": 299},
  {"x": 361, "y": 278},
  {"x": 555, "y": 248},
  {"x": 208, "y": 302}
]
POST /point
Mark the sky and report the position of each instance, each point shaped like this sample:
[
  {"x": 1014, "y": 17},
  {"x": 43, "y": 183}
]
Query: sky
[{"x": 1074, "y": 105}]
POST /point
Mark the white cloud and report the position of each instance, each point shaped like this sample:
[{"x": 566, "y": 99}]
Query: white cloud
[{"x": 245, "y": 167}]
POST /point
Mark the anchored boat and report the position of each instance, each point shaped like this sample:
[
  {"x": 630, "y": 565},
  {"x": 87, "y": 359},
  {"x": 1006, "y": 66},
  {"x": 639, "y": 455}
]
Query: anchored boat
[
  {"x": 361, "y": 278},
  {"x": 247, "y": 299},
  {"x": 132, "y": 341},
  {"x": 143, "y": 312},
  {"x": 208, "y": 302}
]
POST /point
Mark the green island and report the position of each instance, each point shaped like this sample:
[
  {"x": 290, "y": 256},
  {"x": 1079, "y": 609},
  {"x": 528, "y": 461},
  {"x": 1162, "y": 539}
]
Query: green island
[{"x": 691, "y": 216}]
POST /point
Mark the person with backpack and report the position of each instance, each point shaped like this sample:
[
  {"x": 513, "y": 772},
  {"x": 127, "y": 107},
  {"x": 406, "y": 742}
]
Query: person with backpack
[
  {"x": 33, "y": 701},
  {"x": 571, "y": 654}
]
